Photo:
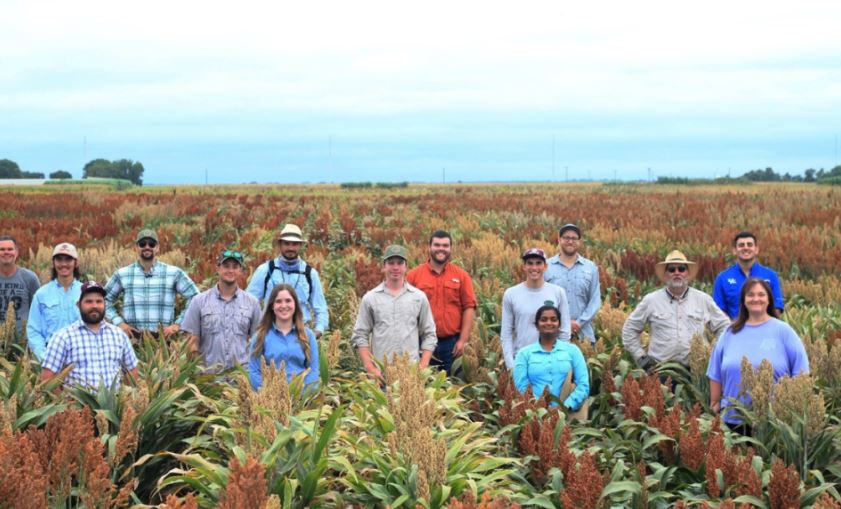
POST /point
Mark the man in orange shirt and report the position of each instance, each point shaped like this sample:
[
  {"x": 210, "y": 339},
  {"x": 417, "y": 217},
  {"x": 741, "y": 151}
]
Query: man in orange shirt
[{"x": 450, "y": 293}]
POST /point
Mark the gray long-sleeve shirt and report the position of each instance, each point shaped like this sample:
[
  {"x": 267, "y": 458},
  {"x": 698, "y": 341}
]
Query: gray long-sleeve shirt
[
  {"x": 519, "y": 305},
  {"x": 673, "y": 322},
  {"x": 395, "y": 324}
]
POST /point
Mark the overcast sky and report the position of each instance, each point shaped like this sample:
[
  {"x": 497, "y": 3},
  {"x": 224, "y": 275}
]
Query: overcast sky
[{"x": 462, "y": 90}]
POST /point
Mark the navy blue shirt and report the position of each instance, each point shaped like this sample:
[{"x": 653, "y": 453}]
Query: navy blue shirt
[{"x": 728, "y": 287}]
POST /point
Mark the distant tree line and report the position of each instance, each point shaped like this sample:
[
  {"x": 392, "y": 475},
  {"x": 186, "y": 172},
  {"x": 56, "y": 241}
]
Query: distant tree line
[
  {"x": 368, "y": 185},
  {"x": 759, "y": 175},
  {"x": 124, "y": 169}
]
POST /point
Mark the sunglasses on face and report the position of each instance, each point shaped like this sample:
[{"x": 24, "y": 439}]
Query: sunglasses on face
[
  {"x": 236, "y": 255},
  {"x": 147, "y": 243},
  {"x": 679, "y": 268}
]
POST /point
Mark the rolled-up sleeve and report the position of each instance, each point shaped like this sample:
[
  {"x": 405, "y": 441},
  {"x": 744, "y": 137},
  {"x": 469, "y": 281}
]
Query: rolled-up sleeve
[{"x": 581, "y": 378}]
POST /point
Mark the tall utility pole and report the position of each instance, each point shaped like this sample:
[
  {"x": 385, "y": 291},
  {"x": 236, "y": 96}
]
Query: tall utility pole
[
  {"x": 836, "y": 150},
  {"x": 649, "y": 174},
  {"x": 205, "y": 176},
  {"x": 443, "y": 175},
  {"x": 330, "y": 156},
  {"x": 566, "y": 173},
  {"x": 615, "y": 178}
]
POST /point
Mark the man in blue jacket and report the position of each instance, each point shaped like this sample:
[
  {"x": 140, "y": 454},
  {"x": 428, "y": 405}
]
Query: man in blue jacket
[{"x": 728, "y": 284}]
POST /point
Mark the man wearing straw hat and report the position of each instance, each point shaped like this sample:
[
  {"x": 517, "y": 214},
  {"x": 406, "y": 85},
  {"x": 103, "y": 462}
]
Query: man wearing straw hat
[
  {"x": 675, "y": 313},
  {"x": 290, "y": 269}
]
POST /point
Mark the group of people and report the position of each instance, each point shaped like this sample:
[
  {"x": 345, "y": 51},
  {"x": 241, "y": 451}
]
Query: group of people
[{"x": 426, "y": 312}]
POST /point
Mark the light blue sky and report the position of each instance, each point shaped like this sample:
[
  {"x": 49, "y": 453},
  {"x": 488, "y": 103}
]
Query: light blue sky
[{"x": 268, "y": 92}]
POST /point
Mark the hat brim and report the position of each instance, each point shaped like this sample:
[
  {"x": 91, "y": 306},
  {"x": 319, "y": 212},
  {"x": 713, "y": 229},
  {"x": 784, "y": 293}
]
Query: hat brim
[
  {"x": 238, "y": 260},
  {"x": 291, "y": 238},
  {"x": 100, "y": 291},
  {"x": 660, "y": 269}
]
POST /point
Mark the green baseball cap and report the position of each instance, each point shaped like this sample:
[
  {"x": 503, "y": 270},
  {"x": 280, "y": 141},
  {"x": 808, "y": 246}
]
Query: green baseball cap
[
  {"x": 395, "y": 250},
  {"x": 146, "y": 234}
]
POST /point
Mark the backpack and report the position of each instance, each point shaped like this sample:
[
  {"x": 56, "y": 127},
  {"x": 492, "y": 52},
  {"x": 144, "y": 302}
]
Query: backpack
[{"x": 307, "y": 272}]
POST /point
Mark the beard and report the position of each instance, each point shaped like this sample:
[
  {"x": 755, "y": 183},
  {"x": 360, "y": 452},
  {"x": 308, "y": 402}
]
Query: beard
[
  {"x": 93, "y": 316},
  {"x": 677, "y": 287}
]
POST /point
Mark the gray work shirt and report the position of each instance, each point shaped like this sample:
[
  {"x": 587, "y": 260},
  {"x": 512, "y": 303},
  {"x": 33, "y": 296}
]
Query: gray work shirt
[
  {"x": 673, "y": 322},
  {"x": 223, "y": 327},
  {"x": 395, "y": 324}
]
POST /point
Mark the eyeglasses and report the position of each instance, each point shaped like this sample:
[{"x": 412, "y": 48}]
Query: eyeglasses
[
  {"x": 147, "y": 243},
  {"x": 570, "y": 239},
  {"x": 679, "y": 268},
  {"x": 236, "y": 255}
]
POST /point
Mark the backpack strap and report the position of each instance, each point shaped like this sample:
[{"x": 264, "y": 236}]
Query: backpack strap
[
  {"x": 268, "y": 277},
  {"x": 272, "y": 267}
]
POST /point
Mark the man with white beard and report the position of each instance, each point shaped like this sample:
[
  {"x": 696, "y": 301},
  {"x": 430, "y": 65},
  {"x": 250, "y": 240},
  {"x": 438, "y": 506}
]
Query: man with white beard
[{"x": 674, "y": 313}]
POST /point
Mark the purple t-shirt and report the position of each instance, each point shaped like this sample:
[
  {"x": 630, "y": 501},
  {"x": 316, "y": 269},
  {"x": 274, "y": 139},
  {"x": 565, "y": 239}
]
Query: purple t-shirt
[{"x": 774, "y": 340}]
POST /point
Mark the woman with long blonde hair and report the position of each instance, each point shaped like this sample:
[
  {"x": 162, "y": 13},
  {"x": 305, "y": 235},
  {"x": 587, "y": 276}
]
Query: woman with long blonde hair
[{"x": 282, "y": 336}]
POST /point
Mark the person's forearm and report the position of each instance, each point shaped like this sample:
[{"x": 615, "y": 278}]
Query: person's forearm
[
  {"x": 467, "y": 317},
  {"x": 426, "y": 356}
]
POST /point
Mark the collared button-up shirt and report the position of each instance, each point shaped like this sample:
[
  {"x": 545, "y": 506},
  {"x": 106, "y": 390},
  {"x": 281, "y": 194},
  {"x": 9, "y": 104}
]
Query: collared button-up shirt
[
  {"x": 727, "y": 289},
  {"x": 673, "y": 322},
  {"x": 222, "y": 326},
  {"x": 395, "y": 324},
  {"x": 449, "y": 294},
  {"x": 53, "y": 308},
  {"x": 97, "y": 357},
  {"x": 148, "y": 297},
  {"x": 313, "y": 303},
  {"x": 536, "y": 367},
  {"x": 581, "y": 283},
  {"x": 279, "y": 347}
]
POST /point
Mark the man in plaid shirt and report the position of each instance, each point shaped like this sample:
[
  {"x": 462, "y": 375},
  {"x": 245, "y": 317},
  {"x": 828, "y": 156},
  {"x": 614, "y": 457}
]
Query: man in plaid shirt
[
  {"x": 98, "y": 351},
  {"x": 149, "y": 288}
]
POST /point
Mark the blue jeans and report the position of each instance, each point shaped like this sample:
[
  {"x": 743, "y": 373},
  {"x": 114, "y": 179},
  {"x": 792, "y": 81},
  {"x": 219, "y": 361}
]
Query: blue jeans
[{"x": 442, "y": 357}]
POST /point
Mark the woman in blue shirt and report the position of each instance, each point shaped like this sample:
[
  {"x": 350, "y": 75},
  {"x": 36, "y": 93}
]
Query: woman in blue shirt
[
  {"x": 757, "y": 335},
  {"x": 54, "y": 304},
  {"x": 283, "y": 337},
  {"x": 547, "y": 362}
]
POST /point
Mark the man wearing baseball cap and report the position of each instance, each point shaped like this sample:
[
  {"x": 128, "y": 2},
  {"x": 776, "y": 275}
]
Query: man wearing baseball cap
[
  {"x": 674, "y": 313},
  {"x": 521, "y": 302},
  {"x": 290, "y": 269},
  {"x": 579, "y": 277},
  {"x": 17, "y": 285},
  {"x": 394, "y": 318},
  {"x": 99, "y": 351},
  {"x": 149, "y": 288},
  {"x": 55, "y": 304},
  {"x": 220, "y": 321}
]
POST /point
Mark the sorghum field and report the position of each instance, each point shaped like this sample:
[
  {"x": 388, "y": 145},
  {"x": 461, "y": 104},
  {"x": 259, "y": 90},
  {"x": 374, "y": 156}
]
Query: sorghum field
[{"x": 183, "y": 439}]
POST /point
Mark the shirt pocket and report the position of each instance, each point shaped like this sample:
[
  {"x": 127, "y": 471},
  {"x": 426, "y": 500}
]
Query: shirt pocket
[
  {"x": 583, "y": 282},
  {"x": 52, "y": 314},
  {"x": 452, "y": 292},
  {"x": 210, "y": 322}
]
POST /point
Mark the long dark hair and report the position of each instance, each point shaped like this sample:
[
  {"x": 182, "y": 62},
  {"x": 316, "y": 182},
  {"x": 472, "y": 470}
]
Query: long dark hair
[
  {"x": 739, "y": 324},
  {"x": 77, "y": 274},
  {"x": 268, "y": 320}
]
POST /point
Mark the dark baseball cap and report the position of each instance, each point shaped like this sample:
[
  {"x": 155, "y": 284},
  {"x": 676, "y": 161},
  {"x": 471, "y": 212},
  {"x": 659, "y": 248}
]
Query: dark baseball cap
[
  {"x": 91, "y": 286},
  {"x": 570, "y": 226},
  {"x": 534, "y": 252}
]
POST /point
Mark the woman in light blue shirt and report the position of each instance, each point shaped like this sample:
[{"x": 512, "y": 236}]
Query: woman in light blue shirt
[
  {"x": 54, "y": 304},
  {"x": 283, "y": 337},
  {"x": 547, "y": 362}
]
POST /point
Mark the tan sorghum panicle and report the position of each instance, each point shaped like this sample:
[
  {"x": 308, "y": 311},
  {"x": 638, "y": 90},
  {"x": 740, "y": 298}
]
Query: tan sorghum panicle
[
  {"x": 759, "y": 385},
  {"x": 601, "y": 347},
  {"x": 273, "y": 502},
  {"x": 101, "y": 423},
  {"x": 585, "y": 347},
  {"x": 274, "y": 397},
  {"x": 794, "y": 398},
  {"x": 699, "y": 354},
  {"x": 8, "y": 329},
  {"x": 8, "y": 413},
  {"x": 610, "y": 319},
  {"x": 334, "y": 352},
  {"x": 422, "y": 485},
  {"x": 818, "y": 354},
  {"x": 832, "y": 373},
  {"x": 468, "y": 501}
]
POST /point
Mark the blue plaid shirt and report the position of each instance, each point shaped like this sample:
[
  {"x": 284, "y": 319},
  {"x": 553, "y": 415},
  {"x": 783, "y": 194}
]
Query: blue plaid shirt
[
  {"x": 96, "y": 357},
  {"x": 148, "y": 298}
]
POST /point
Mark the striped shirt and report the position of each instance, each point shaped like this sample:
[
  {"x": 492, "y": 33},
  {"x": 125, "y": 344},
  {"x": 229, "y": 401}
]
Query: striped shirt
[
  {"x": 97, "y": 357},
  {"x": 52, "y": 309},
  {"x": 148, "y": 297}
]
